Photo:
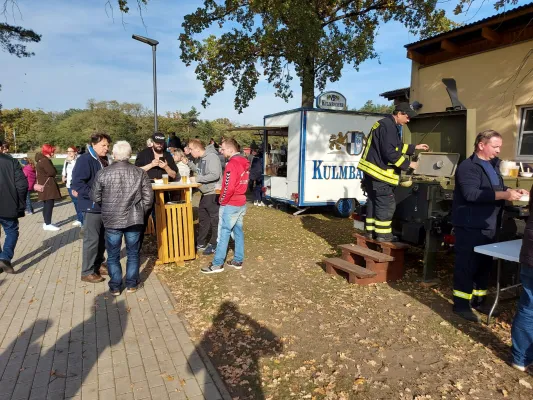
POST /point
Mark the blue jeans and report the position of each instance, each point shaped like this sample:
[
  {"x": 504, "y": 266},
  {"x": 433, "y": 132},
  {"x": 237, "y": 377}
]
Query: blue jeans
[
  {"x": 79, "y": 215},
  {"x": 232, "y": 220},
  {"x": 522, "y": 330},
  {"x": 29, "y": 206},
  {"x": 11, "y": 229},
  {"x": 113, "y": 243}
]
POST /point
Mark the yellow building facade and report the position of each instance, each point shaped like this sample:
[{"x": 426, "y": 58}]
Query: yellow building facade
[{"x": 492, "y": 64}]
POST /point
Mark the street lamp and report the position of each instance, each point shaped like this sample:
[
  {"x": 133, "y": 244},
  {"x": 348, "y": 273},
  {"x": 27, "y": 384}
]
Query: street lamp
[{"x": 154, "y": 44}]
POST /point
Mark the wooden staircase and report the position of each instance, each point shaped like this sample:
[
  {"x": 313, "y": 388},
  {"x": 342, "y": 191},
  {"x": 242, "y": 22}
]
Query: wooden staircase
[{"x": 368, "y": 261}]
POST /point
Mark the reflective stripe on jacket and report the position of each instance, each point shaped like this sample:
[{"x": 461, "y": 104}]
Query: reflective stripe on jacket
[{"x": 384, "y": 154}]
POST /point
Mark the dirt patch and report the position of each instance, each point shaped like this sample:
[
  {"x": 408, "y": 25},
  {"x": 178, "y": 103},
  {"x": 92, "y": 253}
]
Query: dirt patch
[{"x": 282, "y": 328}]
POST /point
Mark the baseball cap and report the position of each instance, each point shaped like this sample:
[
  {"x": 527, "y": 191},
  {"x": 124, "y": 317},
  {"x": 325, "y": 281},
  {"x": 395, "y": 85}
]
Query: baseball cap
[
  {"x": 406, "y": 108},
  {"x": 158, "y": 137}
]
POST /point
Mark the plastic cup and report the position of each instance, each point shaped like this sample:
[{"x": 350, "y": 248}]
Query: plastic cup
[
  {"x": 184, "y": 179},
  {"x": 165, "y": 179}
]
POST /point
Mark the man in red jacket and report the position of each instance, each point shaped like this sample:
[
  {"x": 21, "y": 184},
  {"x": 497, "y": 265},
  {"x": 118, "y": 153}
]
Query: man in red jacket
[{"x": 232, "y": 208}]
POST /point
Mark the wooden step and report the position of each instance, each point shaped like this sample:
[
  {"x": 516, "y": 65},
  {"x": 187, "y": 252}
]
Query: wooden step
[
  {"x": 392, "y": 245},
  {"x": 366, "y": 253},
  {"x": 339, "y": 263}
]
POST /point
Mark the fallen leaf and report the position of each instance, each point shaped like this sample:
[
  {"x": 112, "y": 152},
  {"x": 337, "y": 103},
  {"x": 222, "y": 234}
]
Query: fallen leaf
[
  {"x": 359, "y": 381},
  {"x": 525, "y": 383}
]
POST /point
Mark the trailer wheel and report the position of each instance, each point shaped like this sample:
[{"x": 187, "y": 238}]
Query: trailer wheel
[{"x": 344, "y": 208}]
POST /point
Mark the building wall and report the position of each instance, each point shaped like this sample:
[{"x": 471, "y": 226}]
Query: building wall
[{"x": 495, "y": 83}]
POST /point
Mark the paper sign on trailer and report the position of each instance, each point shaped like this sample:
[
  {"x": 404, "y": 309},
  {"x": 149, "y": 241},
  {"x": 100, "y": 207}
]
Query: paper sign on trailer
[{"x": 323, "y": 150}]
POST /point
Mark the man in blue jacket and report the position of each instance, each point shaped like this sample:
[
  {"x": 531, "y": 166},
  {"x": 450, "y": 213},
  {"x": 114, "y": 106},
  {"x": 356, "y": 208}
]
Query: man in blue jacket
[
  {"x": 478, "y": 201},
  {"x": 87, "y": 165}
]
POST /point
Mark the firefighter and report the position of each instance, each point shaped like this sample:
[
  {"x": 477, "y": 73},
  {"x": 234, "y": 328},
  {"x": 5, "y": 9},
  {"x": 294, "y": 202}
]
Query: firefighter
[
  {"x": 478, "y": 200},
  {"x": 384, "y": 156}
]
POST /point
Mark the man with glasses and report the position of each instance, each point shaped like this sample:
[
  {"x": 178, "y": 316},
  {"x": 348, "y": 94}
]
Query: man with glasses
[{"x": 383, "y": 158}]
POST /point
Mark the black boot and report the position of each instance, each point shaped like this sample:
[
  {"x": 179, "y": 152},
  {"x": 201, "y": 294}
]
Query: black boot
[
  {"x": 482, "y": 306},
  {"x": 388, "y": 238},
  {"x": 467, "y": 313}
]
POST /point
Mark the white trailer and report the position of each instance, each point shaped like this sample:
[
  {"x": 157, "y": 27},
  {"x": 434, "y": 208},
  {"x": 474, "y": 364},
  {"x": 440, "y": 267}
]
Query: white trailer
[{"x": 314, "y": 159}]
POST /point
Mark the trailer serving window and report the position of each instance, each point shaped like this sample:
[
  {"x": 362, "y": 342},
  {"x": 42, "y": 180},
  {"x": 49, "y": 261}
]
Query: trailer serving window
[
  {"x": 276, "y": 151},
  {"x": 525, "y": 137}
]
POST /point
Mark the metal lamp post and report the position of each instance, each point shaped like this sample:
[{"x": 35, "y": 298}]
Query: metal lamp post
[{"x": 154, "y": 44}]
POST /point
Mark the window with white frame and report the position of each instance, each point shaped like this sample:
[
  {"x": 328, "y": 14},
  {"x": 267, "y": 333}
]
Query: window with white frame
[{"x": 525, "y": 137}]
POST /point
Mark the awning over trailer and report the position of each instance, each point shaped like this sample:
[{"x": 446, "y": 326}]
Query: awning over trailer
[{"x": 272, "y": 130}]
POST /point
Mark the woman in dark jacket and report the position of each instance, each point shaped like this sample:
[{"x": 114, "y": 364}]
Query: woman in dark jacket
[
  {"x": 46, "y": 176},
  {"x": 522, "y": 331}
]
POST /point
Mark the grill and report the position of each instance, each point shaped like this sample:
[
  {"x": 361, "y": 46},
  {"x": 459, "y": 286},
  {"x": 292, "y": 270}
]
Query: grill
[{"x": 424, "y": 205}]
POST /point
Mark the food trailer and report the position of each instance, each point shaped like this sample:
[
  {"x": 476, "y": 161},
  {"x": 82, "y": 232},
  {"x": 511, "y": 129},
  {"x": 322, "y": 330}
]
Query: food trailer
[{"x": 311, "y": 156}]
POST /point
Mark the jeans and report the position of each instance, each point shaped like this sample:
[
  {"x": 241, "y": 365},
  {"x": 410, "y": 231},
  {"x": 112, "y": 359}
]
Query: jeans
[
  {"x": 232, "y": 220},
  {"x": 79, "y": 215},
  {"x": 29, "y": 206},
  {"x": 113, "y": 243},
  {"x": 11, "y": 229},
  {"x": 522, "y": 330}
]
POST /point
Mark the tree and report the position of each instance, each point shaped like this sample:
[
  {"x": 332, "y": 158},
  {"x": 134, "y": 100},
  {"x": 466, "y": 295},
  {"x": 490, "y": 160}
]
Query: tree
[
  {"x": 369, "y": 106},
  {"x": 315, "y": 38}
]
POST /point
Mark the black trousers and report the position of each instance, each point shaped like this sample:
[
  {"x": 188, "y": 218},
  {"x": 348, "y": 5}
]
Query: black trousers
[
  {"x": 472, "y": 270},
  {"x": 208, "y": 219},
  {"x": 93, "y": 243},
  {"x": 48, "y": 207},
  {"x": 380, "y": 207}
]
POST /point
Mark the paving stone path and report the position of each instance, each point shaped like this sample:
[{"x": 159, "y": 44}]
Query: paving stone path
[{"x": 66, "y": 339}]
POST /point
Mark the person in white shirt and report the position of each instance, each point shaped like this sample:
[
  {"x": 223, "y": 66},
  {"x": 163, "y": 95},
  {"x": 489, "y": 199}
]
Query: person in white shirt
[
  {"x": 68, "y": 167},
  {"x": 182, "y": 162}
]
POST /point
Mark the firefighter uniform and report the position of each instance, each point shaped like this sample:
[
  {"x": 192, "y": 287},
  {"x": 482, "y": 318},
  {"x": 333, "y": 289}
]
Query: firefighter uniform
[
  {"x": 382, "y": 160},
  {"x": 476, "y": 216}
]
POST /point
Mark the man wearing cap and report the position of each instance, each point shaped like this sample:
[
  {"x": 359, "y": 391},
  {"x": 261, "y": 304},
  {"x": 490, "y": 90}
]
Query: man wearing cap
[
  {"x": 157, "y": 162},
  {"x": 383, "y": 158}
]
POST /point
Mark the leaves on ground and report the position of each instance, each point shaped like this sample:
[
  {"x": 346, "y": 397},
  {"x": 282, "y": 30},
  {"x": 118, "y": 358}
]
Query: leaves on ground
[{"x": 282, "y": 328}]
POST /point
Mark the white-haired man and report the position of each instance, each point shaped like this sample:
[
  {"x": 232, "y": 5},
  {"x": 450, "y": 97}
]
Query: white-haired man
[{"x": 125, "y": 195}]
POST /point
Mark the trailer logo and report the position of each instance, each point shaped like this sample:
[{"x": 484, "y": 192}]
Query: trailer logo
[
  {"x": 351, "y": 141},
  {"x": 331, "y": 101}
]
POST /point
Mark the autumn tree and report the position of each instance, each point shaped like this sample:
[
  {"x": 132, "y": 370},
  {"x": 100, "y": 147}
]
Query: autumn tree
[
  {"x": 369, "y": 106},
  {"x": 312, "y": 40}
]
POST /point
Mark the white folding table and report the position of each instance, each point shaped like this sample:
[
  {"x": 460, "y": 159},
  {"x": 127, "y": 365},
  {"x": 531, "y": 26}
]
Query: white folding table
[{"x": 508, "y": 251}]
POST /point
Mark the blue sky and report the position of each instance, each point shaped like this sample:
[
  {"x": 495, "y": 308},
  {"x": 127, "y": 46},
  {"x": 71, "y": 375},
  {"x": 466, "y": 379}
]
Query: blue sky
[{"x": 86, "y": 53}]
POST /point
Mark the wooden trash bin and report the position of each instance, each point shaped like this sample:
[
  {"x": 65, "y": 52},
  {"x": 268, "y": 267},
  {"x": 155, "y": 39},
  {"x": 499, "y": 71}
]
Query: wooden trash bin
[{"x": 174, "y": 224}]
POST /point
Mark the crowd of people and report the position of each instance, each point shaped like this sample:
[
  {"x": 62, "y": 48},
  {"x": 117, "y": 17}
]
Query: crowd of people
[{"x": 113, "y": 199}]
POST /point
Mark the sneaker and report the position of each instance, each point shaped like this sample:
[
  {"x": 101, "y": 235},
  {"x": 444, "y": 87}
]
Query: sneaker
[
  {"x": 114, "y": 292},
  {"x": 212, "y": 269},
  {"x": 519, "y": 367},
  {"x": 261, "y": 204},
  {"x": 467, "y": 314},
  {"x": 200, "y": 247},
  {"x": 6, "y": 267},
  {"x": 50, "y": 227},
  {"x": 76, "y": 223},
  {"x": 234, "y": 264},
  {"x": 131, "y": 290},
  {"x": 29, "y": 212},
  {"x": 256, "y": 203},
  {"x": 209, "y": 249}
]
